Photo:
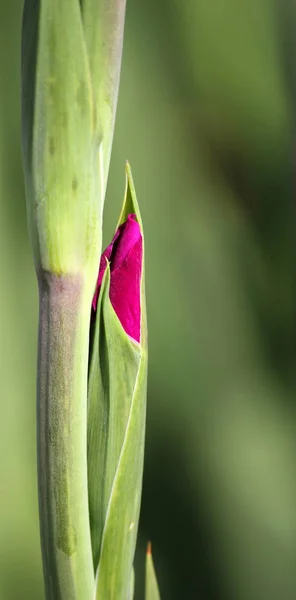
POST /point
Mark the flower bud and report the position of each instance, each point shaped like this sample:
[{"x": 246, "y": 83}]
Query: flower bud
[{"x": 117, "y": 404}]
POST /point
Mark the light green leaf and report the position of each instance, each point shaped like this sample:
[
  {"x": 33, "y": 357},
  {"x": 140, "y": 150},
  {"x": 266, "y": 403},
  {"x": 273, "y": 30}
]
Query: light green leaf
[
  {"x": 103, "y": 22},
  {"x": 58, "y": 138},
  {"x": 151, "y": 588},
  {"x": 132, "y": 585}
]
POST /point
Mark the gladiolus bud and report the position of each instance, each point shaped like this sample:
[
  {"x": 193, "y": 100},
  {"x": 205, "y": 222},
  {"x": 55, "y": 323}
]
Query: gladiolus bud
[
  {"x": 125, "y": 257},
  {"x": 117, "y": 404}
]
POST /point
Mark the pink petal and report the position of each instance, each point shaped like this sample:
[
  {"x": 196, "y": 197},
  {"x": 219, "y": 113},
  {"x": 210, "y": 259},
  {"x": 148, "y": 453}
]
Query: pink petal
[{"x": 125, "y": 257}]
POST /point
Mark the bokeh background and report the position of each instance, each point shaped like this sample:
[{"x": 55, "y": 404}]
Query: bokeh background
[{"x": 207, "y": 119}]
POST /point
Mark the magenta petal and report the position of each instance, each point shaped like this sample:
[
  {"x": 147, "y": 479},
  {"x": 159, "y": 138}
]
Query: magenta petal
[{"x": 125, "y": 257}]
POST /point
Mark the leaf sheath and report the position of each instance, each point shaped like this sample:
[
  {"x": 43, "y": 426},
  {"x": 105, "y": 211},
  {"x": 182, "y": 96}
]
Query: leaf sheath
[{"x": 61, "y": 438}]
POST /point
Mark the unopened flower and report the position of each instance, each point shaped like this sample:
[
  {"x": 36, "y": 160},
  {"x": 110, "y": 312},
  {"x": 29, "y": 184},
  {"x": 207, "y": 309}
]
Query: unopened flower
[
  {"x": 117, "y": 403},
  {"x": 125, "y": 257}
]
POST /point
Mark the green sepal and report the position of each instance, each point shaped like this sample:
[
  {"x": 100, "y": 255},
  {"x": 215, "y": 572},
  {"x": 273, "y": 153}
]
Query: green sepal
[
  {"x": 151, "y": 585},
  {"x": 116, "y": 431}
]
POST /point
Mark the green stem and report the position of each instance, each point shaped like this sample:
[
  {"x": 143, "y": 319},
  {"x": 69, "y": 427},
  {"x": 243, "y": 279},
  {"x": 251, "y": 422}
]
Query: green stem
[{"x": 61, "y": 437}]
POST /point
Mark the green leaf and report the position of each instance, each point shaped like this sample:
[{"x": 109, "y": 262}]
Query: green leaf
[
  {"x": 103, "y": 22},
  {"x": 58, "y": 138},
  {"x": 132, "y": 586},
  {"x": 151, "y": 588},
  {"x": 116, "y": 431}
]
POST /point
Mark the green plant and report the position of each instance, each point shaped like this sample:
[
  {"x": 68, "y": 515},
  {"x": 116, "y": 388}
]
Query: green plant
[{"x": 92, "y": 360}]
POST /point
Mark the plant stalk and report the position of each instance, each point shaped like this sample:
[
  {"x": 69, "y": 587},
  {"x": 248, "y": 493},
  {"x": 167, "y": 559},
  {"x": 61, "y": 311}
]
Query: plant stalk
[{"x": 64, "y": 314}]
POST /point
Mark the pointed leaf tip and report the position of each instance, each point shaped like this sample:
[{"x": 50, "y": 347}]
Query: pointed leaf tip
[
  {"x": 130, "y": 203},
  {"x": 151, "y": 585}
]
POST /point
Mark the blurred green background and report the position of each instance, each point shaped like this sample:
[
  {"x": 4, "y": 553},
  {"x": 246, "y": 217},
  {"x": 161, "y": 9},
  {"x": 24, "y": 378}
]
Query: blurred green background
[{"x": 206, "y": 118}]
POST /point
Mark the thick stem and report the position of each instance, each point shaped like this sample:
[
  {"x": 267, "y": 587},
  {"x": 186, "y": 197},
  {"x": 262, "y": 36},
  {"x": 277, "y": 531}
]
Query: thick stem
[{"x": 61, "y": 434}]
